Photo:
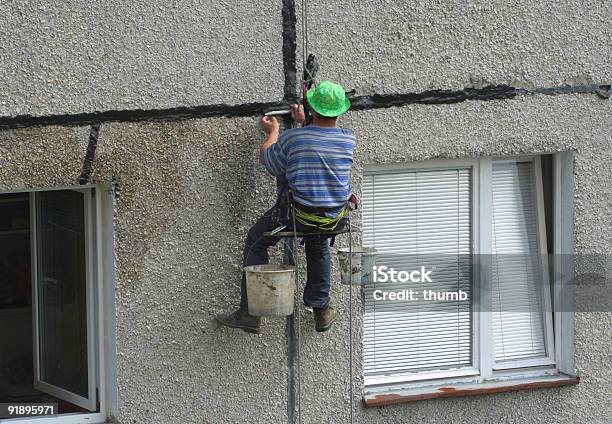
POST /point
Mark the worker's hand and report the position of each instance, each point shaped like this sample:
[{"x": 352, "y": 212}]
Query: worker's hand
[
  {"x": 269, "y": 124},
  {"x": 297, "y": 114}
]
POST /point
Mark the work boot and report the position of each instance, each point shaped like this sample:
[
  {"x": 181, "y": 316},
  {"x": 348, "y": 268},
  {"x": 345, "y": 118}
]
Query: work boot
[
  {"x": 240, "y": 319},
  {"x": 324, "y": 318}
]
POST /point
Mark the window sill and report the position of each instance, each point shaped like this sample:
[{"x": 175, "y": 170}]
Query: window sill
[{"x": 390, "y": 396}]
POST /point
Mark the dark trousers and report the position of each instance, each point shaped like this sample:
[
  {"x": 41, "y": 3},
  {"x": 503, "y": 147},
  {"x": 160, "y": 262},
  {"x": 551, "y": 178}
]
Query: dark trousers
[{"x": 318, "y": 260}]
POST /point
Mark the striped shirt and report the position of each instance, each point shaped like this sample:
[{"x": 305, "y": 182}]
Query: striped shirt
[{"x": 316, "y": 162}]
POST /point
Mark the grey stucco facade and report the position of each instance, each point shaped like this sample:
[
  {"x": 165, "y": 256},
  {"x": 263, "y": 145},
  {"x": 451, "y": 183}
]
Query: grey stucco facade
[{"x": 187, "y": 191}]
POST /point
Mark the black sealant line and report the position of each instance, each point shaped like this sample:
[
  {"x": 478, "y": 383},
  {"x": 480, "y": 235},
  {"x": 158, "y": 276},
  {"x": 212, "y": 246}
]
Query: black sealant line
[
  {"x": 492, "y": 92},
  {"x": 136, "y": 115},
  {"x": 374, "y": 101},
  {"x": 90, "y": 154},
  {"x": 289, "y": 50}
]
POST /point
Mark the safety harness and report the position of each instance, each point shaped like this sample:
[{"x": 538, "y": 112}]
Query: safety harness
[{"x": 318, "y": 222}]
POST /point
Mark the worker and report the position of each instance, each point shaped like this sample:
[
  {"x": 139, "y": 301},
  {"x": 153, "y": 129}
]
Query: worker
[{"x": 315, "y": 162}]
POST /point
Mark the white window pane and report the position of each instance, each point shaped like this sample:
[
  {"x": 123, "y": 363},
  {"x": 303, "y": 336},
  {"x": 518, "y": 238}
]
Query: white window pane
[{"x": 518, "y": 327}]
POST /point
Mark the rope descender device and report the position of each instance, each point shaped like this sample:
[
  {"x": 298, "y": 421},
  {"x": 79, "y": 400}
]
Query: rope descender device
[{"x": 311, "y": 67}]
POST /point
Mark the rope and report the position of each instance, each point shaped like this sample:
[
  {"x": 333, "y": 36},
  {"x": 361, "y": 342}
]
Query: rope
[
  {"x": 350, "y": 319},
  {"x": 295, "y": 238},
  {"x": 298, "y": 313},
  {"x": 304, "y": 34}
]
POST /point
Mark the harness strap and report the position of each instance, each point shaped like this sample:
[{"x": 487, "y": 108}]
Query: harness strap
[{"x": 324, "y": 223}]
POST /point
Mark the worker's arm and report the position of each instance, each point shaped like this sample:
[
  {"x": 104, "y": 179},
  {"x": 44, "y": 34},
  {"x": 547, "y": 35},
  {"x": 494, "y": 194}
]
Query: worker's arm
[
  {"x": 271, "y": 152},
  {"x": 271, "y": 127}
]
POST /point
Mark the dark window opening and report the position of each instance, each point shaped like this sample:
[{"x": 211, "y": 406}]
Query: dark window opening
[{"x": 45, "y": 356}]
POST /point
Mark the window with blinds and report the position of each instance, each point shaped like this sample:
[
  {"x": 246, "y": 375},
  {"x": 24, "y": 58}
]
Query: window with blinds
[
  {"x": 415, "y": 218},
  {"x": 425, "y": 217},
  {"x": 517, "y": 315}
]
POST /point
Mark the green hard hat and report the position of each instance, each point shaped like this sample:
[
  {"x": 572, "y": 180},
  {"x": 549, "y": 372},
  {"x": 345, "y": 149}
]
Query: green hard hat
[{"x": 328, "y": 99}]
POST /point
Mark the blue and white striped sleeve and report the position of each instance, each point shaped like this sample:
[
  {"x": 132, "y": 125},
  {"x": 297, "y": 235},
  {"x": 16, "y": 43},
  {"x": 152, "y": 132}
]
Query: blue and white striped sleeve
[{"x": 275, "y": 158}]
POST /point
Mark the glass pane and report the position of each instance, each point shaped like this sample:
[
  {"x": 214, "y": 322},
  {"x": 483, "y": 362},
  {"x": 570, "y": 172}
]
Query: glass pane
[
  {"x": 15, "y": 253},
  {"x": 62, "y": 290},
  {"x": 518, "y": 321}
]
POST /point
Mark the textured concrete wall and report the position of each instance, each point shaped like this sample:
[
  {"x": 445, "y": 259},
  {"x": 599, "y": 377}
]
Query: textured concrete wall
[
  {"x": 189, "y": 190},
  {"x": 187, "y": 193},
  {"x": 81, "y": 56},
  {"x": 403, "y": 46},
  {"x": 41, "y": 157},
  {"x": 77, "y": 56}
]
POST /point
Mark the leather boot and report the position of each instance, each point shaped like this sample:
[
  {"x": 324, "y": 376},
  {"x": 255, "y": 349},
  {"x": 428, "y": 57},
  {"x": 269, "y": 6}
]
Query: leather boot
[
  {"x": 324, "y": 318},
  {"x": 240, "y": 319}
]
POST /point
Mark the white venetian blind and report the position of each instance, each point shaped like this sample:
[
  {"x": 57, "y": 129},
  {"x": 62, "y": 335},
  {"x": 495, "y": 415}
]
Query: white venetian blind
[
  {"x": 518, "y": 327},
  {"x": 419, "y": 218}
]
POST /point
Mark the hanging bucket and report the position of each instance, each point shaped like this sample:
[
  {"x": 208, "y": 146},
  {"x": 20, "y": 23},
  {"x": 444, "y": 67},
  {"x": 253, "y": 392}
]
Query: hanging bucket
[
  {"x": 363, "y": 262},
  {"x": 270, "y": 289}
]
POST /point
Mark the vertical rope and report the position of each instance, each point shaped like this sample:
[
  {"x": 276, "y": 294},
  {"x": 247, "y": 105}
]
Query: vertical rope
[
  {"x": 350, "y": 298},
  {"x": 297, "y": 313},
  {"x": 295, "y": 240},
  {"x": 304, "y": 33}
]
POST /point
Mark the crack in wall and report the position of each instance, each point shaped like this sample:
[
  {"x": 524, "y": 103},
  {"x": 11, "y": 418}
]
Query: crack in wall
[
  {"x": 137, "y": 115},
  {"x": 488, "y": 93},
  {"x": 289, "y": 50},
  {"x": 90, "y": 154}
]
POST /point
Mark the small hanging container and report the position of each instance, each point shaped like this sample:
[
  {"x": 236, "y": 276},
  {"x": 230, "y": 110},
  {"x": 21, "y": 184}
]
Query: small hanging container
[
  {"x": 363, "y": 262},
  {"x": 270, "y": 289}
]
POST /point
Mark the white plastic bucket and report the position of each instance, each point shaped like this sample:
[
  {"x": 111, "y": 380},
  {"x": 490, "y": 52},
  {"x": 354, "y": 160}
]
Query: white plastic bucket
[
  {"x": 270, "y": 289},
  {"x": 363, "y": 262}
]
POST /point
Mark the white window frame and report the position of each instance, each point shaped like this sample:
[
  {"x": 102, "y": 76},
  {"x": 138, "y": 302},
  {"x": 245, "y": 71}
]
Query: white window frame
[
  {"x": 559, "y": 337},
  {"x": 101, "y": 264},
  {"x": 563, "y": 306},
  {"x": 88, "y": 402},
  {"x": 543, "y": 251}
]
